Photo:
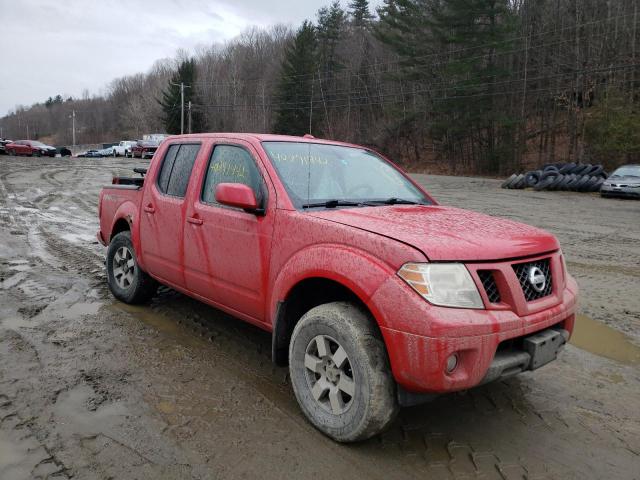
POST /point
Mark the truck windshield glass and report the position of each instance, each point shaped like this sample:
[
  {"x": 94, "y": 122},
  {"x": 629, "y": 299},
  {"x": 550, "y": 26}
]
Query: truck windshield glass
[{"x": 318, "y": 175}]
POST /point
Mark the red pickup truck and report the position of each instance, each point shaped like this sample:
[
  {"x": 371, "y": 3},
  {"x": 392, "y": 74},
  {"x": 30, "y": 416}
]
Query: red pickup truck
[{"x": 375, "y": 295}]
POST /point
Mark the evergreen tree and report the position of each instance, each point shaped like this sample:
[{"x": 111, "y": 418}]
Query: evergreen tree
[
  {"x": 455, "y": 44},
  {"x": 330, "y": 31},
  {"x": 171, "y": 100},
  {"x": 478, "y": 31},
  {"x": 294, "y": 113},
  {"x": 360, "y": 13},
  {"x": 331, "y": 22}
]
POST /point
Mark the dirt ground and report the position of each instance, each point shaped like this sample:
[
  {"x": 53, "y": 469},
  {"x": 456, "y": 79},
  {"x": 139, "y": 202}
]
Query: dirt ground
[{"x": 91, "y": 388}]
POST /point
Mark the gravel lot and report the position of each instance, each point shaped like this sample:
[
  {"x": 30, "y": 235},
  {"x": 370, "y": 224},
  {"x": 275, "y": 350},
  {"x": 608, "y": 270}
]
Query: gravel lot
[{"x": 91, "y": 388}]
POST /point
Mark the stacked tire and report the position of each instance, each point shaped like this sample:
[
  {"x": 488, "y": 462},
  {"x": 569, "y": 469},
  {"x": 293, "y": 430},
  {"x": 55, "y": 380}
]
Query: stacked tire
[{"x": 574, "y": 177}]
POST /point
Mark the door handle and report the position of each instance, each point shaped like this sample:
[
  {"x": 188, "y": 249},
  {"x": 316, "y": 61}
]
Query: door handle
[
  {"x": 195, "y": 221},
  {"x": 149, "y": 209}
]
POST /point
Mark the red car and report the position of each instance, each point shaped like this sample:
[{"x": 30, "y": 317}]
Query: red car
[
  {"x": 144, "y": 148},
  {"x": 31, "y": 148},
  {"x": 375, "y": 295}
]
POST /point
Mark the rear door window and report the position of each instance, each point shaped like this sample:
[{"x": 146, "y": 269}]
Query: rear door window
[
  {"x": 181, "y": 171},
  {"x": 167, "y": 166},
  {"x": 177, "y": 165}
]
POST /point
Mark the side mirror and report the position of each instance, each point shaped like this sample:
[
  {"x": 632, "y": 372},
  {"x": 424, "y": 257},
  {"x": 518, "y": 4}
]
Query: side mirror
[{"x": 238, "y": 195}]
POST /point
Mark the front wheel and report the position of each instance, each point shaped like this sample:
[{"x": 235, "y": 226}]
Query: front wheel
[
  {"x": 340, "y": 372},
  {"x": 127, "y": 281}
]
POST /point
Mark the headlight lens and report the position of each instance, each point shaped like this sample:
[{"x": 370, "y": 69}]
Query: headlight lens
[{"x": 444, "y": 284}]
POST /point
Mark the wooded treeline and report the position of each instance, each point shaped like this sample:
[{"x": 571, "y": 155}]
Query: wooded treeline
[{"x": 478, "y": 86}]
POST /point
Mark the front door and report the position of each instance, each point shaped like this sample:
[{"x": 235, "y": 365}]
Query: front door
[
  {"x": 163, "y": 213},
  {"x": 228, "y": 250}
]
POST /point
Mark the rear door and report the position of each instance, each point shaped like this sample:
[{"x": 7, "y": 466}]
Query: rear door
[
  {"x": 228, "y": 250},
  {"x": 163, "y": 213}
]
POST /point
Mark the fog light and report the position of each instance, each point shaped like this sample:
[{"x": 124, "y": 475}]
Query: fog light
[{"x": 452, "y": 362}]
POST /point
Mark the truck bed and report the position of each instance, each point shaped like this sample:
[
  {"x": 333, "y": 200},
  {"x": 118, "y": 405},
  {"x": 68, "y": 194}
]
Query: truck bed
[{"x": 126, "y": 195}]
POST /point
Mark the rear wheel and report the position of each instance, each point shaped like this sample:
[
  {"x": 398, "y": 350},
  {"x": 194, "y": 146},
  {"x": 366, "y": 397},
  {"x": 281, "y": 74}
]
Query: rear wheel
[
  {"x": 127, "y": 281},
  {"x": 340, "y": 372}
]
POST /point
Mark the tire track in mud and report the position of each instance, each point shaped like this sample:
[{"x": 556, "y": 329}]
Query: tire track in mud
[
  {"x": 75, "y": 258},
  {"x": 28, "y": 445}
]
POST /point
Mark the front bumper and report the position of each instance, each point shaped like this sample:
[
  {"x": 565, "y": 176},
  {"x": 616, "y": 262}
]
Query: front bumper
[
  {"x": 421, "y": 337},
  {"x": 627, "y": 191}
]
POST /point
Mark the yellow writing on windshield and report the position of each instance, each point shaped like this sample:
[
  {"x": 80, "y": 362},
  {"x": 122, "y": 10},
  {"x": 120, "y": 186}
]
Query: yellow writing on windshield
[{"x": 302, "y": 159}]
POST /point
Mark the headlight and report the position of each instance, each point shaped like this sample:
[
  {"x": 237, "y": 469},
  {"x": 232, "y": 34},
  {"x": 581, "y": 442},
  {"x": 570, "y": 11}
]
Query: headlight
[{"x": 444, "y": 284}]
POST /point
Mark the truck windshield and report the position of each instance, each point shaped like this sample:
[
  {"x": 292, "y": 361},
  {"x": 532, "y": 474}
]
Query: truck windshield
[{"x": 319, "y": 175}]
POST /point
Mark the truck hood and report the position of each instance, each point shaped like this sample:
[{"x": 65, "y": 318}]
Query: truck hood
[{"x": 446, "y": 233}]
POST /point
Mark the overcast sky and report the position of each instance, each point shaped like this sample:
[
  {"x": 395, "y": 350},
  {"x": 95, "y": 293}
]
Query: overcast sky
[{"x": 66, "y": 46}]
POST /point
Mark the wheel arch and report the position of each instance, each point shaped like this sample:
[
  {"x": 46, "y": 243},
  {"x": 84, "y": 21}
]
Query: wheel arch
[
  {"x": 121, "y": 225},
  {"x": 302, "y": 297}
]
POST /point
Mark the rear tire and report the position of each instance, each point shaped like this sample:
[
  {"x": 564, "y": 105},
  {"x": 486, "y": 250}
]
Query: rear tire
[
  {"x": 127, "y": 281},
  {"x": 340, "y": 372}
]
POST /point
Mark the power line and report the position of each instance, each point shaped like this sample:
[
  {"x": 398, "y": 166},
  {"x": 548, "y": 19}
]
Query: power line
[
  {"x": 304, "y": 101},
  {"x": 445, "y": 53}
]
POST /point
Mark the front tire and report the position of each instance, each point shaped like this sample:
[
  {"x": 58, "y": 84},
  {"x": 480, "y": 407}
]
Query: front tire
[
  {"x": 340, "y": 372},
  {"x": 126, "y": 280}
]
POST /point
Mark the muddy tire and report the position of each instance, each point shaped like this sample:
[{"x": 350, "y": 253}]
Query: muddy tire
[
  {"x": 340, "y": 372},
  {"x": 127, "y": 282}
]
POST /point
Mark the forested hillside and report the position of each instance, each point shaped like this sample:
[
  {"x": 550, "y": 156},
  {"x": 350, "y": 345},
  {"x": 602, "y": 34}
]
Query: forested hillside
[{"x": 478, "y": 86}]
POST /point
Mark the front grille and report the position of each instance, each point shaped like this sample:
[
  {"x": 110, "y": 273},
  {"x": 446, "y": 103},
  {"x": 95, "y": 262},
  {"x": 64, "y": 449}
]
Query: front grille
[
  {"x": 523, "y": 271},
  {"x": 489, "y": 284}
]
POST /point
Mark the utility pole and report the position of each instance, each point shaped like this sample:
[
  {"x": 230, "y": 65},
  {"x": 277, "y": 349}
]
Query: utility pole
[
  {"x": 189, "y": 122},
  {"x": 28, "y": 137},
  {"x": 182, "y": 87},
  {"x": 73, "y": 126},
  {"x": 182, "y": 108}
]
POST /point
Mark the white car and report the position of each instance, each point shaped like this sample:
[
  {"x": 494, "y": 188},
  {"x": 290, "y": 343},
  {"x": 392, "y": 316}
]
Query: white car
[{"x": 123, "y": 149}]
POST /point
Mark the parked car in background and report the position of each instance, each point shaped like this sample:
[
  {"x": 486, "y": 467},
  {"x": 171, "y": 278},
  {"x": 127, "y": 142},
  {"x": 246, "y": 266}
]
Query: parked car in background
[
  {"x": 3, "y": 142},
  {"x": 145, "y": 148},
  {"x": 63, "y": 151},
  {"x": 32, "y": 148},
  {"x": 106, "y": 152},
  {"x": 123, "y": 149},
  {"x": 624, "y": 182},
  {"x": 90, "y": 154}
]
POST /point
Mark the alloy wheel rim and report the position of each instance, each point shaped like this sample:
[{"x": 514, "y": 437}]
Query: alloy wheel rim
[
  {"x": 124, "y": 267},
  {"x": 329, "y": 374}
]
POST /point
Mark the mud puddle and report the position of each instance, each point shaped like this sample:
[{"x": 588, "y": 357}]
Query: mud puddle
[{"x": 604, "y": 341}]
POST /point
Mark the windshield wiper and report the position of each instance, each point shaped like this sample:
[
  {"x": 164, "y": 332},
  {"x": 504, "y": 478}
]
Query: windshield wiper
[
  {"x": 332, "y": 204},
  {"x": 394, "y": 201}
]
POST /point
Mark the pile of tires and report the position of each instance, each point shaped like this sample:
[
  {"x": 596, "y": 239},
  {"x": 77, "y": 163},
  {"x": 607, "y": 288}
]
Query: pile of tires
[{"x": 575, "y": 177}]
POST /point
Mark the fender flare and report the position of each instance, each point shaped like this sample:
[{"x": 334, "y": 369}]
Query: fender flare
[
  {"x": 354, "y": 269},
  {"x": 129, "y": 212}
]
